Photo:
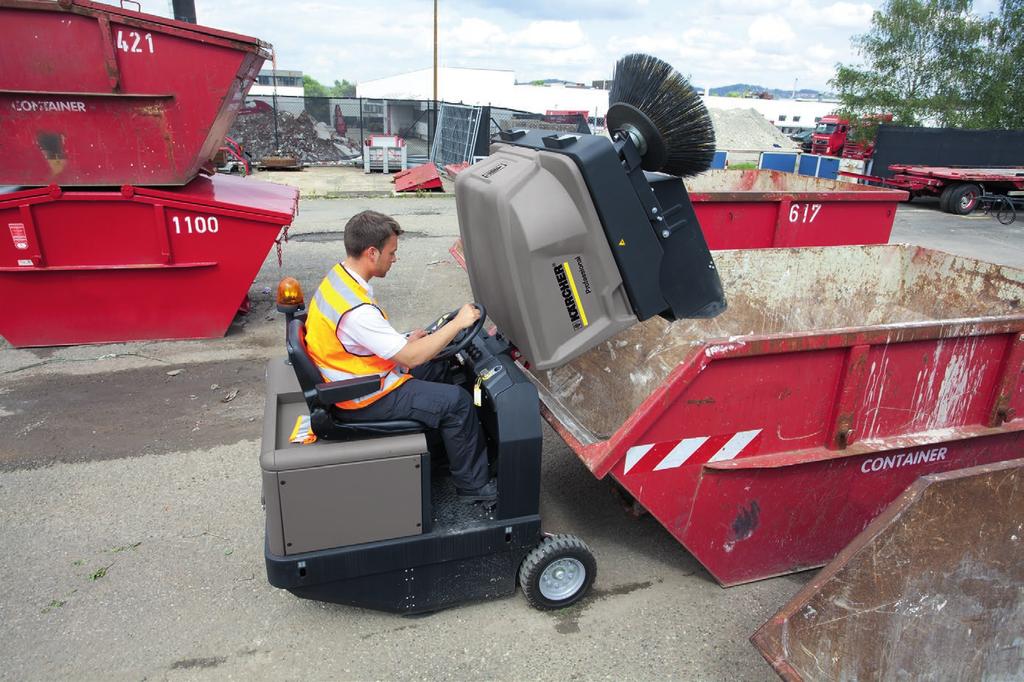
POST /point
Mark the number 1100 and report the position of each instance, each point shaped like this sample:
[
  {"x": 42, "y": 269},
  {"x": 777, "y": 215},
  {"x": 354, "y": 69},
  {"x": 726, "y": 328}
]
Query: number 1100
[{"x": 197, "y": 225}]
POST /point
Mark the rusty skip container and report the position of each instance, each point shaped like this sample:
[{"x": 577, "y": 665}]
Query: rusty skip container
[
  {"x": 757, "y": 209},
  {"x": 767, "y": 438},
  {"x": 930, "y": 590},
  {"x": 96, "y": 95}
]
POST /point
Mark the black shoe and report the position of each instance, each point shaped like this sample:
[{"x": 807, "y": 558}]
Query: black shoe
[{"x": 485, "y": 493}]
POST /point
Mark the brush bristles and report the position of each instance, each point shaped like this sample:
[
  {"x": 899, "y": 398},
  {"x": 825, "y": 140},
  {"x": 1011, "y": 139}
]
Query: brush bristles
[{"x": 660, "y": 92}]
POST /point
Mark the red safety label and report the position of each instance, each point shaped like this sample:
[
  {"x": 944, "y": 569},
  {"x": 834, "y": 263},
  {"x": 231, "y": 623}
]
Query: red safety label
[{"x": 18, "y": 235}]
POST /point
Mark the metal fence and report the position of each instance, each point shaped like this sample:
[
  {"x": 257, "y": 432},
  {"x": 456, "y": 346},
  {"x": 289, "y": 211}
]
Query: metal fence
[
  {"x": 458, "y": 129},
  {"x": 333, "y": 130}
]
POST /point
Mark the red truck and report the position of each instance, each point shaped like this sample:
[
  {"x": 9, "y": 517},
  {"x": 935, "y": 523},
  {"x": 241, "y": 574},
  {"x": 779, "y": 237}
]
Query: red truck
[{"x": 832, "y": 136}]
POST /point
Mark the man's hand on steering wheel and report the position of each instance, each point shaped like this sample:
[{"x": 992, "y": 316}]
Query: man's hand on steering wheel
[
  {"x": 469, "y": 320},
  {"x": 467, "y": 316},
  {"x": 459, "y": 328}
]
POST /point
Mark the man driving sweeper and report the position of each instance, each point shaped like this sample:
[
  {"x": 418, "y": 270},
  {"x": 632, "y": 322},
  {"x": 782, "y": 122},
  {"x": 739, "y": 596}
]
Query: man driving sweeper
[{"x": 348, "y": 335}]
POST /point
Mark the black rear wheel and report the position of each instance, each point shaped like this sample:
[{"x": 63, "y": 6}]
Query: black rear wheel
[
  {"x": 944, "y": 197},
  {"x": 964, "y": 198},
  {"x": 558, "y": 572}
]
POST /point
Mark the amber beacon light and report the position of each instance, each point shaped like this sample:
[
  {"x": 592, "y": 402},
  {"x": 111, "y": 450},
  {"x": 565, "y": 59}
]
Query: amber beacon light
[{"x": 289, "y": 295}]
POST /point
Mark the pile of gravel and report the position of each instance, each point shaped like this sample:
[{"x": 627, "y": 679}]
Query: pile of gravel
[{"x": 747, "y": 130}]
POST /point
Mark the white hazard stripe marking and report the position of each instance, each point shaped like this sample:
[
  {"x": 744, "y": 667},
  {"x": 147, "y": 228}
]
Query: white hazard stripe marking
[
  {"x": 635, "y": 454},
  {"x": 681, "y": 453},
  {"x": 735, "y": 445},
  {"x": 686, "y": 448}
]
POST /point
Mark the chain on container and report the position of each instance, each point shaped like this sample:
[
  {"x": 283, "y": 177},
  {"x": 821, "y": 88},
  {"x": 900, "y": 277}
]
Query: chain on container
[{"x": 278, "y": 242}]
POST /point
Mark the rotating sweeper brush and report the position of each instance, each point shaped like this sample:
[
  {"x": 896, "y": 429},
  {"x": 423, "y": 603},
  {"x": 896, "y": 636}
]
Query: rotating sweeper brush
[
  {"x": 570, "y": 238},
  {"x": 662, "y": 115}
]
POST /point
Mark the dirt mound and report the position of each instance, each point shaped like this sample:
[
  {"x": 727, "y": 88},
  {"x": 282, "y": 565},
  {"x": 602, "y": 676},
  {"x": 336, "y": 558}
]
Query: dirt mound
[{"x": 747, "y": 130}]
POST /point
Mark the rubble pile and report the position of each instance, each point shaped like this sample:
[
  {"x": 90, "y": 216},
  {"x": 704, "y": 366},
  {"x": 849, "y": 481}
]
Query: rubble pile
[
  {"x": 311, "y": 141},
  {"x": 537, "y": 124}
]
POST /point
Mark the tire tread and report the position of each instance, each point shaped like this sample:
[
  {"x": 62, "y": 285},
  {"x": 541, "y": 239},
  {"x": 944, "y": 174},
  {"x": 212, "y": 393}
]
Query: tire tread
[{"x": 554, "y": 545}]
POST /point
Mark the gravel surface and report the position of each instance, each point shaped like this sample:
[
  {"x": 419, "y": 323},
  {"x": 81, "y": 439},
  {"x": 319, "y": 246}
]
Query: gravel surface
[{"x": 133, "y": 531}]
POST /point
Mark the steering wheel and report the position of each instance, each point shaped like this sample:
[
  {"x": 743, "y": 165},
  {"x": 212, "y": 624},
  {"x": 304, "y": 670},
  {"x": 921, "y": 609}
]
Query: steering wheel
[{"x": 463, "y": 338}]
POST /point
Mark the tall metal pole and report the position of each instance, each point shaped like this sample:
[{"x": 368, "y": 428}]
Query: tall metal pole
[
  {"x": 277, "y": 138},
  {"x": 184, "y": 10},
  {"x": 435, "y": 52}
]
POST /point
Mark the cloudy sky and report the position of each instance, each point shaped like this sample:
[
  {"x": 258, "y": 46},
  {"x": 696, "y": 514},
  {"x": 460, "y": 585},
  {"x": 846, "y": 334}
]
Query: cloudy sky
[{"x": 764, "y": 42}]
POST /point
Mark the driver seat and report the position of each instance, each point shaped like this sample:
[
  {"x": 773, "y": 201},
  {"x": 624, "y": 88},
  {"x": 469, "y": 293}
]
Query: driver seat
[{"x": 325, "y": 420}]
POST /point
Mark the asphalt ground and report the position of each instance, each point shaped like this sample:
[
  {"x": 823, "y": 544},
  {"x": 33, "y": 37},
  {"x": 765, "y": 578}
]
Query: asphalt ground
[{"x": 132, "y": 529}]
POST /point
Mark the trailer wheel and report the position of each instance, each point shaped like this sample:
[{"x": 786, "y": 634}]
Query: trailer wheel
[
  {"x": 964, "y": 198},
  {"x": 558, "y": 572},
  {"x": 944, "y": 197}
]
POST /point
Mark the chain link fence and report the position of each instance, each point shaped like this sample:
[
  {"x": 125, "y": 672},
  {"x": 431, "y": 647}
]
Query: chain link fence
[{"x": 331, "y": 131}]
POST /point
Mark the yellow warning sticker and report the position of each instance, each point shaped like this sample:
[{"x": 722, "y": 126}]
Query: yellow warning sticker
[
  {"x": 302, "y": 433},
  {"x": 622, "y": 242},
  {"x": 575, "y": 294}
]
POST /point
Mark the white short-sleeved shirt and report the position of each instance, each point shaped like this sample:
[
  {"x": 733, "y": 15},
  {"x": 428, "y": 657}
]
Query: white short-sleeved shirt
[{"x": 364, "y": 331}]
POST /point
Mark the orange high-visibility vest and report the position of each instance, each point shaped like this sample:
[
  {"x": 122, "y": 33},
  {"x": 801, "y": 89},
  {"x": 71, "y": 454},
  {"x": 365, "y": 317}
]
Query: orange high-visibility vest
[{"x": 338, "y": 294}]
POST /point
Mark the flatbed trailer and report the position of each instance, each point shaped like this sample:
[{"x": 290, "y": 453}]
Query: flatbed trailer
[{"x": 958, "y": 188}]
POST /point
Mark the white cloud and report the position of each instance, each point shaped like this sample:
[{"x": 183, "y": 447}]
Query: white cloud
[
  {"x": 762, "y": 42},
  {"x": 772, "y": 32},
  {"x": 846, "y": 15},
  {"x": 550, "y": 35},
  {"x": 748, "y": 7},
  {"x": 664, "y": 45},
  {"x": 471, "y": 32},
  {"x": 820, "y": 53}
]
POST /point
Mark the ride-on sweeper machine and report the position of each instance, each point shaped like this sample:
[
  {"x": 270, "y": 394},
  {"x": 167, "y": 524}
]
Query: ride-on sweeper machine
[{"x": 571, "y": 239}]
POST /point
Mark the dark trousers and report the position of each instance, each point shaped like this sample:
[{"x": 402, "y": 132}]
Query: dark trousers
[{"x": 429, "y": 398}]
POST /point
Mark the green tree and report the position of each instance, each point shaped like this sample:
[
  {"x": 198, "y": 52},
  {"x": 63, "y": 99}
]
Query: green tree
[
  {"x": 343, "y": 89},
  {"x": 925, "y": 62},
  {"x": 1002, "y": 91},
  {"x": 312, "y": 87}
]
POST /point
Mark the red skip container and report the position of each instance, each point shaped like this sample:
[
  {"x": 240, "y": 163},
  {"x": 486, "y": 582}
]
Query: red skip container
[
  {"x": 758, "y": 209},
  {"x": 95, "y": 95},
  {"x": 766, "y": 439},
  {"x": 138, "y": 263}
]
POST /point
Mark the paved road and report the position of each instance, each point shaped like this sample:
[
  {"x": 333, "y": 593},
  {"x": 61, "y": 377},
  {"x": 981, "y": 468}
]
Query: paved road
[
  {"x": 132, "y": 531},
  {"x": 979, "y": 236}
]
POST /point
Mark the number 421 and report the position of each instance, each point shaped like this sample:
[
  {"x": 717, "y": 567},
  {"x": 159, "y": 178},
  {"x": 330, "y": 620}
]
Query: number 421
[{"x": 131, "y": 44}]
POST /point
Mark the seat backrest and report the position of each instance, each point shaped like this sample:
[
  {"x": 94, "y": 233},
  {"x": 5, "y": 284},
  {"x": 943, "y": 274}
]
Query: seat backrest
[
  {"x": 305, "y": 370},
  {"x": 324, "y": 420}
]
